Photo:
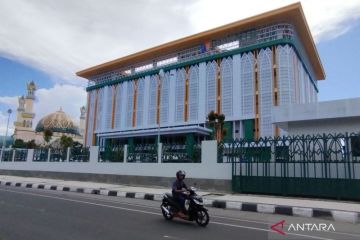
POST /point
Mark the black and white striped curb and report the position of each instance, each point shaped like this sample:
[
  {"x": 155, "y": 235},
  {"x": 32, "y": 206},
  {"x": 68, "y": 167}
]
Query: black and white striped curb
[{"x": 328, "y": 214}]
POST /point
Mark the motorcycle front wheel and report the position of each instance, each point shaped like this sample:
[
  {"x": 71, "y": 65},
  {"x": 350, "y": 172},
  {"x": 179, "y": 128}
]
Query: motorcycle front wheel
[
  {"x": 167, "y": 216},
  {"x": 202, "y": 217}
]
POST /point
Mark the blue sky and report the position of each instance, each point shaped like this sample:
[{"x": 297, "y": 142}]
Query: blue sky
[{"x": 48, "y": 41}]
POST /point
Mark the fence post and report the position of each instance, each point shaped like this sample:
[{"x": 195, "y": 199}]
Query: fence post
[
  {"x": 68, "y": 154},
  {"x": 347, "y": 152},
  {"x": 159, "y": 153},
  {"x": 30, "y": 155},
  {"x": 13, "y": 155},
  {"x": 1, "y": 153},
  {"x": 125, "y": 152},
  {"x": 94, "y": 154},
  {"x": 49, "y": 154}
]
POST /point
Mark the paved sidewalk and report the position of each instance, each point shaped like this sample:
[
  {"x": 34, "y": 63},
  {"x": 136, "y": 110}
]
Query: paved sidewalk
[{"x": 319, "y": 208}]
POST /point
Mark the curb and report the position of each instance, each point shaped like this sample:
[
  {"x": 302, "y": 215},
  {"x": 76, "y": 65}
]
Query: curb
[{"x": 328, "y": 214}]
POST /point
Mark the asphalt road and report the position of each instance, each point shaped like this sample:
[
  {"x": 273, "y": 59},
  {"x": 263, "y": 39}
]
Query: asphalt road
[{"x": 45, "y": 214}]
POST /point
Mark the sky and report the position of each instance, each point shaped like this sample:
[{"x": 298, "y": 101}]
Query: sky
[{"x": 48, "y": 41}]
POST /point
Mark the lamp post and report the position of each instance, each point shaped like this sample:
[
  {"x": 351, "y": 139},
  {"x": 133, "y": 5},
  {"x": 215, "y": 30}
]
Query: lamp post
[
  {"x": 161, "y": 75},
  {"x": 9, "y": 111}
]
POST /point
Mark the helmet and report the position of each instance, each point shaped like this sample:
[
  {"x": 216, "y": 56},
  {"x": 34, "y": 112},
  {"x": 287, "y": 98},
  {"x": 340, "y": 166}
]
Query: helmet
[{"x": 180, "y": 173}]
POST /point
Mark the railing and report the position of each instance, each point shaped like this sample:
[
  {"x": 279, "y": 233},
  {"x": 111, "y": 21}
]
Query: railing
[
  {"x": 325, "y": 165},
  {"x": 231, "y": 42},
  {"x": 111, "y": 154},
  {"x": 40, "y": 155},
  {"x": 79, "y": 154},
  {"x": 144, "y": 153},
  {"x": 20, "y": 155},
  {"x": 179, "y": 153},
  {"x": 58, "y": 154},
  {"x": 7, "y": 155}
]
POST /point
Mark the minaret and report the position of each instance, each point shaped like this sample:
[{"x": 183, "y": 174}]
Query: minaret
[
  {"x": 25, "y": 114},
  {"x": 82, "y": 120}
]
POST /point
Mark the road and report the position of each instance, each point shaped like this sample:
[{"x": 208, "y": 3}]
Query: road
[{"x": 51, "y": 215}]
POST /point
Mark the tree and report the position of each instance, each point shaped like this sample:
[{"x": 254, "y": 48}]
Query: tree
[
  {"x": 31, "y": 144},
  {"x": 66, "y": 141},
  {"x": 47, "y": 135},
  {"x": 19, "y": 143},
  {"x": 216, "y": 121}
]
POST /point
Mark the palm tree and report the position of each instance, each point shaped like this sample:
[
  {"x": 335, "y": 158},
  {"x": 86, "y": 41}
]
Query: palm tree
[
  {"x": 216, "y": 121},
  {"x": 47, "y": 135}
]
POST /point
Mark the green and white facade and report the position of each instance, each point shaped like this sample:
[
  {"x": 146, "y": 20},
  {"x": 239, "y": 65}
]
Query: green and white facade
[{"x": 241, "y": 70}]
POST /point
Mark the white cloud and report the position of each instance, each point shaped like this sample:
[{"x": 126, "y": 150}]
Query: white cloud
[
  {"x": 3, "y": 124},
  {"x": 70, "y": 98},
  {"x": 327, "y": 19},
  {"x": 62, "y": 37}
]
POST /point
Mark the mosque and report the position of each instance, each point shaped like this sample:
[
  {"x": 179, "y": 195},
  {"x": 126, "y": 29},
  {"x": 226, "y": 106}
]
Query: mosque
[{"x": 58, "y": 122}]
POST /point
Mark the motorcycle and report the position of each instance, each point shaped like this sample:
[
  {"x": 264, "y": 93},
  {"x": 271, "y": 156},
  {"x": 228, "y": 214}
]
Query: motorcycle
[{"x": 194, "y": 204}]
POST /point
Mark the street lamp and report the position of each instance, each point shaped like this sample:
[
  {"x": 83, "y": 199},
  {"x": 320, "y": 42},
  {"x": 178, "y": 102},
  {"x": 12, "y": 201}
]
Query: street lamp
[
  {"x": 161, "y": 75},
  {"x": 9, "y": 111}
]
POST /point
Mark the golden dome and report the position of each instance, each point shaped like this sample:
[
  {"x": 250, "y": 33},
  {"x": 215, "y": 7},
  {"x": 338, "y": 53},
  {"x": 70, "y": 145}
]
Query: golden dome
[{"x": 57, "y": 122}]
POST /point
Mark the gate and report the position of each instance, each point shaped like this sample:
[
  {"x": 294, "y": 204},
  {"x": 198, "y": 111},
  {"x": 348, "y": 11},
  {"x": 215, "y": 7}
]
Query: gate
[{"x": 314, "y": 165}]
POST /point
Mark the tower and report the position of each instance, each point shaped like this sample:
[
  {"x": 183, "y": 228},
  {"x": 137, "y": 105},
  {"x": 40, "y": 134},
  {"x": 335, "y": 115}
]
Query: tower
[
  {"x": 82, "y": 120},
  {"x": 25, "y": 114}
]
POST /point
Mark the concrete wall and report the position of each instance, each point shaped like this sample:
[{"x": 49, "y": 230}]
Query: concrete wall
[
  {"x": 338, "y": 116},
  {"x": 208, "y": 173}
]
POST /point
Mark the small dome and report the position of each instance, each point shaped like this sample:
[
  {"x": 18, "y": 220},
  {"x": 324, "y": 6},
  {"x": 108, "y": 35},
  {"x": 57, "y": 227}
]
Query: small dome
[{"x": 57, "y": 122}]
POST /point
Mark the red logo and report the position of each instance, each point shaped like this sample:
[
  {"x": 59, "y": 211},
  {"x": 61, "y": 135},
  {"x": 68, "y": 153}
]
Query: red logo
[{"x": 278, "y": 230}]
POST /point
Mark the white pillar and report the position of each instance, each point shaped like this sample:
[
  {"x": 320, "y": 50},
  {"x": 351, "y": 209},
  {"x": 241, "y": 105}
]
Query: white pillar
[
  {"x": 1, "y": 153},
  {"x": 30, "y": 155},
  {"x": 49, "y": 154},
  {"x": 159, "y": 153},
  {"x": 209, "y": 151},
  {"x": 94, "y": 154},
  {"x": 68, "y": 154},
  {"x": 13, "y": 156},
  {"x": 125, "y": 152}
]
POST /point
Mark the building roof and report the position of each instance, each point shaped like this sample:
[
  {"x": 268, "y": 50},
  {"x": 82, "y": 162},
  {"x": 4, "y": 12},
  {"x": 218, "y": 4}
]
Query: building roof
[
  {"x": 291, "y": 14},
  {"x": 57, "y": 122}
]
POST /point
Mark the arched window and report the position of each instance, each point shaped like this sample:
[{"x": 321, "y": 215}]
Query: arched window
[
  {"x": 109, "y": 102},
  {"x": 130, "y": 103},
  {"x": 247, "y": 84},
  {"x": 226, "y": 86},
  {"x": 180, "y": 95},
  {"x": 211, "y": 88},
  {"x": 164, "y": 101},
  {"x": 265, "y": 92},
  {"x": 100, "y": 109},
  {"x": 193, "y": 93},
  {"x": 118, "y": 104},
  {"x": 152, "y": 100},
  {"x": 140, "y": 102}
]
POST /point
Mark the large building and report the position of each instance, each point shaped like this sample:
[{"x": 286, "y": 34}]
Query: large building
[
  {"x": 242, "y": 70},
  {"x": 58, "y": 122}
]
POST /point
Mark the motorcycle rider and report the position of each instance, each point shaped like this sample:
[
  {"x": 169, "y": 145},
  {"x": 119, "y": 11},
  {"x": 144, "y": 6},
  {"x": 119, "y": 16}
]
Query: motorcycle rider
[{"x": 179, "y": 190}]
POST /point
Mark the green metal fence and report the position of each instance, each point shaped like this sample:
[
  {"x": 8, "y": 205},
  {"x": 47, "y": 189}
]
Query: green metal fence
[
  {"x": 111, "y": 153},
  {"x": 79, "y": 154},
  {"x": 40, "y": 155},
  {"x": 20, "y": 155},
  {"x": 143, "y": 153},
  {"x": 181, "y": 153},
  {"x": 326, "y": 165},
  {"x": 58, "y": 154}
]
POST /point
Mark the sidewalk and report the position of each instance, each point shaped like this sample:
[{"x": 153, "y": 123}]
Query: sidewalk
[{"x": 318, "y": 208}]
